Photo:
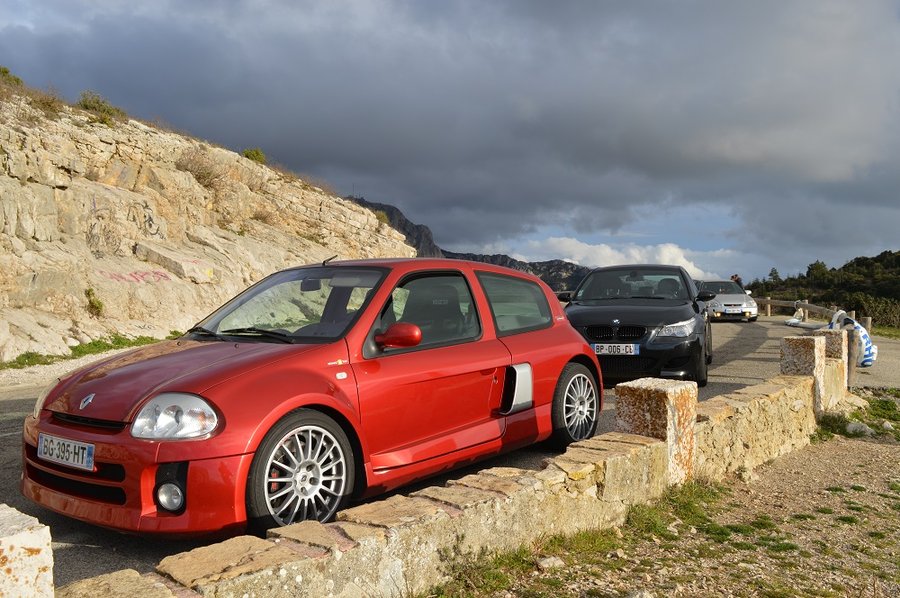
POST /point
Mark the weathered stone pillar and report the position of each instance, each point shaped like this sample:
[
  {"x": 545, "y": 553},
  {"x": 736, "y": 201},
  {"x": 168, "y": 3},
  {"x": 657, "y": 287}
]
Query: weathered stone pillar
[
  {"x": 805, "y": 356},
  {"x": 835, "y": 346},
  {"x": 26, "y": 554},
  {"x": 664, "y": 409}
]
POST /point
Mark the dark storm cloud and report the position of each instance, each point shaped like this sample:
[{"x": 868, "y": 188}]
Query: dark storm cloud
[{"x": 487, "y": 120}]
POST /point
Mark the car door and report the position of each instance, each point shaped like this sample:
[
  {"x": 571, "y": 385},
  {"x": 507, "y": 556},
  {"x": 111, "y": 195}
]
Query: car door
[{"x": 442, "y": 395}]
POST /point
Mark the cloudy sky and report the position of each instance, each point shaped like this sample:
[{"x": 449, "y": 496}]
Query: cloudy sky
[{"x": 728, "y": 137}]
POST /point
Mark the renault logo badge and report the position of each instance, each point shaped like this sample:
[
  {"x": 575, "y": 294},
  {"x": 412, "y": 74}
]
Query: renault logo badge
[
  {"x": 615, "y": 321},
  {"x": 86, "y": 401}
]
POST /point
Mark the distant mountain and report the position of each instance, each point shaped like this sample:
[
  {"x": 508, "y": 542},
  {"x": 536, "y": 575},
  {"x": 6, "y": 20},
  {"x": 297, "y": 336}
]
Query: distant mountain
[
  {"x": 417, "y": 235},
  {"x": 559, "y": 274}
]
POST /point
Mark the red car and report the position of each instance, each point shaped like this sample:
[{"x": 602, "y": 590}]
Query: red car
[{"x": 314, "y": 386}]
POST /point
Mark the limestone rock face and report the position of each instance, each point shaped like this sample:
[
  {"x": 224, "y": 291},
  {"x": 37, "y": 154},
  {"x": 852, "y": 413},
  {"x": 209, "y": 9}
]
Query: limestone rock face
[{"x": 162, "y": 228}]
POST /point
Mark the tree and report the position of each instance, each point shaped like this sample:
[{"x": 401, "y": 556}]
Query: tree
[{"x": 774, "y": 276}]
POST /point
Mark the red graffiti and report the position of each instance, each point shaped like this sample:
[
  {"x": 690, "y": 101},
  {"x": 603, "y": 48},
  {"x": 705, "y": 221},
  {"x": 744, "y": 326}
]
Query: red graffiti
[{"x": 136, "y": 276}]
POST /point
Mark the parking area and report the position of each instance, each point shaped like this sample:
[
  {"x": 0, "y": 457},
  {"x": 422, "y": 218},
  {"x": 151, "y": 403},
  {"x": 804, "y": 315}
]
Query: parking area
[{"x": 744, "y": 354}]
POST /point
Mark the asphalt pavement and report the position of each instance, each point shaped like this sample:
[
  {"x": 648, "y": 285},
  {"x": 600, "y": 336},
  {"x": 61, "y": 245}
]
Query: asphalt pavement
[{"x": 743, "y": 354}]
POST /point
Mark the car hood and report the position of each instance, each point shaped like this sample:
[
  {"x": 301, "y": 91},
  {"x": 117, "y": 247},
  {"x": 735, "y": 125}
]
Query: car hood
[
  {"x": 630, "y": 312},
  {"x": 731, "y": 298},
  {"x": 121, "y": 383}
]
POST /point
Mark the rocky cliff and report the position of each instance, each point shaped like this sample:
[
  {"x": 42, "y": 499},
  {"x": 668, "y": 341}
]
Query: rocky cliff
[{"x": 126, "y": 228}]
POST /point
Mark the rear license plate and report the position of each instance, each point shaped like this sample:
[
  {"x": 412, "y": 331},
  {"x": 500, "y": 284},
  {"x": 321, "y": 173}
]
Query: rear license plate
[
  {"x": 732, "y": 310},
  {"x": 66, "y": 452},
  {"x": 616, "y": 349}
]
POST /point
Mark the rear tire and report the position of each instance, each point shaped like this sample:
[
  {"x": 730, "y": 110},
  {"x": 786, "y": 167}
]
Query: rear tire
[
  {"x": 576, "y": 406},
  {"x": 303, "y": 469}
]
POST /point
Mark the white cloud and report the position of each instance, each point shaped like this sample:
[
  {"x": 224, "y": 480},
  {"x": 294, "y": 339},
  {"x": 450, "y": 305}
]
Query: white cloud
[{"x": 586, "y": 254}]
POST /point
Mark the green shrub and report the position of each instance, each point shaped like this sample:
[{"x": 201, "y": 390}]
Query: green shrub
[
  {"x": 382, "y": 217},
  {"x": 255, "y": 154},
  {"x": 7, "y": 78},
  {"x": 94, "y": 305},
  {"x": 102, "y": 110}
]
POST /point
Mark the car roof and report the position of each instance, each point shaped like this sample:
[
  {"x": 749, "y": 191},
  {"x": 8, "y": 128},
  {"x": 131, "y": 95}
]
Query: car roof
[
  {"x": 416, "y": 263},
  {"x": 639, "y": 267}
]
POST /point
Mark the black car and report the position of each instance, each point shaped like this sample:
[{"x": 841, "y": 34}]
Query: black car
[{"x": 644, "y": 320}]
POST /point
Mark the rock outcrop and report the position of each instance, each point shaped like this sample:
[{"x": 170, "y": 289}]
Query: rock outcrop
[{"x": 134, "y": 230}]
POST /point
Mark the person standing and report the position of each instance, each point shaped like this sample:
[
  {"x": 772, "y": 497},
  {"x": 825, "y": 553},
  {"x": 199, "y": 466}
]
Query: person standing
[{"x": 738, "y": 280}]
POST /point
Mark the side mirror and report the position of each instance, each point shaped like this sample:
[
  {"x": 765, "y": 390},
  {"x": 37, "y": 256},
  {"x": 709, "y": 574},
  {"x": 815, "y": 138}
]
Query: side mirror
[
  {"x": 705, "y": 296},
  {"x": 749, "y": 292},
  {"x": 564, "y": 296},
  {"x": 399, "y": 335}
]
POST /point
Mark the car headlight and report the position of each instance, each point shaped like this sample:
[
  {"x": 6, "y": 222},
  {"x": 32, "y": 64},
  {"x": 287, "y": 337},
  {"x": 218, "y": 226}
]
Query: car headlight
[
  {"x": 39, "y": 404},
  {"x": 678, "y": 329},
  {"x": 714, "y": 304},
  {"x": 174, "y": 416}
]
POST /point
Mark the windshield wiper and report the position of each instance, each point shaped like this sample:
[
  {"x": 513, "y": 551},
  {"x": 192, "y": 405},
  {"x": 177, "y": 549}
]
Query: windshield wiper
[
  {"x": 204, "y": 331},
  {"x": 281, "y": 336},
  {"x": 647, "y": 297}
]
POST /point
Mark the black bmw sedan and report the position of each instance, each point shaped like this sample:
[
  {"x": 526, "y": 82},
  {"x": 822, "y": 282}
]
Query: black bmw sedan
[{"x": 644, "y": 320}]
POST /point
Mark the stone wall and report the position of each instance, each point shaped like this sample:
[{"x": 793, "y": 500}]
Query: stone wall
[
  {"x": 160, "y": 227},
  {"x": 403, "y": 545}
]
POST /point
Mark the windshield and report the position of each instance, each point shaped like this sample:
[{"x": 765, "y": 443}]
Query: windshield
[
  {"x": 722, "y": 287},
  {"x": 630, "y": 283},
  {"x": 304, "y": 304}
]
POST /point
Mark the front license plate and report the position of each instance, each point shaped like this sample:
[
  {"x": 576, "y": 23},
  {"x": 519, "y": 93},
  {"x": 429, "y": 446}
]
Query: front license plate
[
  {"x": 732, "y": 310},
  {"x": 66, "y": 452},
  {"x": 616, "y": 349}
]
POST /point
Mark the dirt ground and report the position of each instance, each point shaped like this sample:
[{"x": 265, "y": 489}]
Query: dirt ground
[{"x": 821, "y": 521}]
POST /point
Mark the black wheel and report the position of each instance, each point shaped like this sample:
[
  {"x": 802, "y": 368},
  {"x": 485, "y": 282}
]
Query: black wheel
[
  {"x": 753, "y": 319},
  {"x": 701, "y": 368},
  {"x": 303, "y": 469},
  {"x": 709, "y": 353},
  {"x": 575, "y": 405}
]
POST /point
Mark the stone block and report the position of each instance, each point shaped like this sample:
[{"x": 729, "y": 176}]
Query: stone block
[
  {"x": 207, "y": 566},
  {"x": 396, "y": 511},
  {"x": 26, "y": 558},
  {"x": 835, "y": 346},
  {"x": 805, "y": 356},
  {"x": 664, "y": 409},
  {"x": 127, "y": 583},
  {"x": 313, "y": 533}
]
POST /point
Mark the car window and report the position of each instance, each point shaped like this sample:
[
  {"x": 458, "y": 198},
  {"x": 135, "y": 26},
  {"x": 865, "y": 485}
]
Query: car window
[
  {"x": 304, "y": 303},
  {"x": 724, "y": 287},
  {"x": 440, "y": 305},
  {"x": 632, "y": 283},
  {"x": 517, "y": 305}
]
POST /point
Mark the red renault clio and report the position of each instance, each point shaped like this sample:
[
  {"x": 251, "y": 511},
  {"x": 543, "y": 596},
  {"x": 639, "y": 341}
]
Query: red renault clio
[{"x": 315, "y": 386}]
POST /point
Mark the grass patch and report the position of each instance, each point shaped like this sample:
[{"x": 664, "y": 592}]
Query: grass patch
[
  {"x": 117, "y": 341},
  {"x": 850, "y": 519},
  {"x": 858, "y": 488},
  {"x": 895, "y": 486},
  {"x": 763, "y": 522},
  {"x": 101, "y": 110},
  {"x": 825, "y": 510},
  {"x": 742, "y": 545},
  {"x": 886, "y": 331},
  {"x": 803, "y": 516},
  {"x": 255, "y": 154},
  {"x": 835, "y": 489},
  {"x": 884, "y": 409},
  {"x": 877, "y": 535},
  {"x": 741, "y": 528}
]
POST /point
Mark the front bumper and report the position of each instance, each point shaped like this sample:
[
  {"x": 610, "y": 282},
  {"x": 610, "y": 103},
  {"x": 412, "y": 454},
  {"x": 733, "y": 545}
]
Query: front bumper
[
  {"x": 657, "y": 359},
  {"x": 733, "y": 312},
  {"x": 119, "y": 493}
]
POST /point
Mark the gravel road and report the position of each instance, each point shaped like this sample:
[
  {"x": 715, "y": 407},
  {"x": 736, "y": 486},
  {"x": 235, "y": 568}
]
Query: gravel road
[{"x": 744, "y": 354}]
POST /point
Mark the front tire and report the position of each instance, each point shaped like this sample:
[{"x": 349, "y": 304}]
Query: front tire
[
  {"x": 576, "y": 406},
  {"x": 701, "y": 369},
  {"x": 304, "y": 469}
]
